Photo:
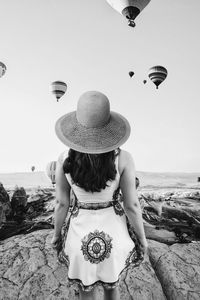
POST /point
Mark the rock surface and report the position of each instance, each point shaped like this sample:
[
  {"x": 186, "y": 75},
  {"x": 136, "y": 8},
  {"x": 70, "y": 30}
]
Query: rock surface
[
  {"x": 177, "y": 268},
  {"x": 18, "y": 204},
  {"x": 29, "y": 267},
  {"x": 169, "y": 217},
  {"x": 27, "y": 212},
  {"x": 29, "y": 270}
]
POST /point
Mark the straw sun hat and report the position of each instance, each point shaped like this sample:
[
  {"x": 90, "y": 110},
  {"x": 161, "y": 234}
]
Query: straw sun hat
[{"x": 93, "y": 128}]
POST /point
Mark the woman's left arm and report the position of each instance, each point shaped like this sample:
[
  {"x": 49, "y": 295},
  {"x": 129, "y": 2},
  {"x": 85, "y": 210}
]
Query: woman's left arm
[{"x": 62, "y": 201}]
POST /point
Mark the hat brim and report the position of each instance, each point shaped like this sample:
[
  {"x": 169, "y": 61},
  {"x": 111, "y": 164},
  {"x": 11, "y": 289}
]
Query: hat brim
[{"x": 93, "y": 140}]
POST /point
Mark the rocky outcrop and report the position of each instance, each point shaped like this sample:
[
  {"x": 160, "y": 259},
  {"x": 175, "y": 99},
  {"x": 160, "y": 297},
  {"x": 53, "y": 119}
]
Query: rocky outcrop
[
  {"x": 30, "y": 270},
  {"x": 5, "y": 206},
  {"x": 177, "y": 268},
  {"x": 171, "y": 217},
  {"x": 39, "y": 202},
  {"x": 18, "y": 204},
  {"x": 27, "y": 212}
]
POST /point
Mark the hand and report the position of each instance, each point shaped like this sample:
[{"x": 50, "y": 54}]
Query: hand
[{"x": 54, "y": 241}]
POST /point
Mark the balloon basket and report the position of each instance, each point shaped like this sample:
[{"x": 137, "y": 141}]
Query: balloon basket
[{"x": 131, "y": 23}]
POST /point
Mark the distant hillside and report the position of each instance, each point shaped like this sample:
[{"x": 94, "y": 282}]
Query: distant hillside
[
  {"x": 168, "y": 179},
  {"x": 26, "y": 180},
  {"x": 35, "y": 179}
]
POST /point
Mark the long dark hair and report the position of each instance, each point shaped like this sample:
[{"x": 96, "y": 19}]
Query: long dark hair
[{"x": 91, "y": 171}]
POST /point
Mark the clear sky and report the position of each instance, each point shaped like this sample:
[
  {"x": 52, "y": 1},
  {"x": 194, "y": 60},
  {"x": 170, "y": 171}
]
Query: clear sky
[{"x": 88, "y": 45}]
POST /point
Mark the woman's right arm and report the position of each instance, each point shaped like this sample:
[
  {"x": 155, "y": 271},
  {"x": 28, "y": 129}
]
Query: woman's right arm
[
  {"x": 62, "y": 201},
  {"x": 130, "y": 198}
]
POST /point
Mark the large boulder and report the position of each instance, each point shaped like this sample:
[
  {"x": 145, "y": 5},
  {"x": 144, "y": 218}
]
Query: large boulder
[
  {"x": 177, "y": 268},
  {"x": 29, "y": 270}
]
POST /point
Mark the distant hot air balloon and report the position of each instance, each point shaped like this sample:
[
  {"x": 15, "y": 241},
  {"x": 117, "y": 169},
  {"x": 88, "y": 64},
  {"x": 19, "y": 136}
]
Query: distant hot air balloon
[
  {"x": 144, "y": 81},
  {"x": 51, "y": 171},
  {"x": 131, "y": 73},
  {"x": 157, "y": 75},
  {"x": 137, "y": 182},
  {"x": 33, "y": 168},
  {"x": 129, "y": 8},
  {"x": 58, "y": 89},
  {"x": 2, "y": 69}
]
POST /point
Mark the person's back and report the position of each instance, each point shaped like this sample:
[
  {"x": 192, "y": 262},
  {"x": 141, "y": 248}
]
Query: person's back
[{"x": 104, "y": 195}]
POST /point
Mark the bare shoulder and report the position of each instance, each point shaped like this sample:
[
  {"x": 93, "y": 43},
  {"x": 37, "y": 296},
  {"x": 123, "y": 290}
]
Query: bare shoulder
[
  {"x": 61, "y": 180},
  {"x": 125, "y": 161}
]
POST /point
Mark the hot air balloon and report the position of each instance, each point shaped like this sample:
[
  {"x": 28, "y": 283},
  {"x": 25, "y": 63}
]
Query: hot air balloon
[
  {"x": 131, "y": 73},
  {"x": 33, "y": 168},
  {"x": 129, "y": 8},
  {"x": 58, "y": 89},
  {"x": 157, "y": 75},
  {"x": 2, "y": 69},
  {"x": 137, "y": 182},
  {"x": 51, "y": 171},
  {"x": 144, "y": 81}
]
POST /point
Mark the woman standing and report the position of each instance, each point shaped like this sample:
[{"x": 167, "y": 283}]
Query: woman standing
[{"x": 103, "y": 237}]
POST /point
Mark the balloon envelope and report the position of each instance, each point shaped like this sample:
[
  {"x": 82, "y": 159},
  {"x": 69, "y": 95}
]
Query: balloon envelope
[
  {"x": 51, "y": 171},
  {"x": 157, "y": 74},
  {"x": 58, "y": 88},
  {"x": 2, "y": 69},
  {"x": 129, "y": 8},
  {"x": 131, "y": 73}
]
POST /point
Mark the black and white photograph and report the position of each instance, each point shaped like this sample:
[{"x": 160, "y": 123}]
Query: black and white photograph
[{"x": 100, "y": 150}]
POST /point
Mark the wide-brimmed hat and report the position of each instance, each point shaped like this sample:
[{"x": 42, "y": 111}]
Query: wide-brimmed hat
[{"x": 93, "y": 128}]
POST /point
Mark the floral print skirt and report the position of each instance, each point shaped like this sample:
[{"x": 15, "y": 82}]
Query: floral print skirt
[{"x": 98, "y": 245}]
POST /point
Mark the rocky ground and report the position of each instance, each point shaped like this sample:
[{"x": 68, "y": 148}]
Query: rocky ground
[{"x": 29, "y": 270}]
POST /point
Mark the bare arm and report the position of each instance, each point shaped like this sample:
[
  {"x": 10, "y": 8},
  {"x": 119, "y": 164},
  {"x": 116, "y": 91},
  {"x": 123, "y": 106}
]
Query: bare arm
[
  {"x": 62, "y": 200},
  {"x": 131, "y": 202}
]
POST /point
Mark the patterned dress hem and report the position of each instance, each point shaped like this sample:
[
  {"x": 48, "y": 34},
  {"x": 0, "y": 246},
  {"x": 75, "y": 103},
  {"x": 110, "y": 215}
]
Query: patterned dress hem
[
  {"x": 133, "y": 260},
  {"x": 108, "y": 285}
]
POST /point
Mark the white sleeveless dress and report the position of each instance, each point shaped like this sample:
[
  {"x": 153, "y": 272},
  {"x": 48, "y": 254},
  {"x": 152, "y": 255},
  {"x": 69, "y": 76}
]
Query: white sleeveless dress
[{"x": 98, "y": 243}]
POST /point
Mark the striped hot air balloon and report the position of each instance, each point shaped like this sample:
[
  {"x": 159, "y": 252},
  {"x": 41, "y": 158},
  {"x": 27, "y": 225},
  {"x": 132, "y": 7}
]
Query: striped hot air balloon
[
  {"x": 157, "y": 75},
  {"x": 129, "y": 8},
  {"x": 2, "y": 69},
  {"x": 51, "y": 171},
  {"x": 58, "y": 89}
]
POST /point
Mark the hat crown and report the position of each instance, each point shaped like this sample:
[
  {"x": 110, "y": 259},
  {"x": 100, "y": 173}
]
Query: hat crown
[
  {"x": 93, "y": 110},
  {"x": 93, "y": 128}
]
